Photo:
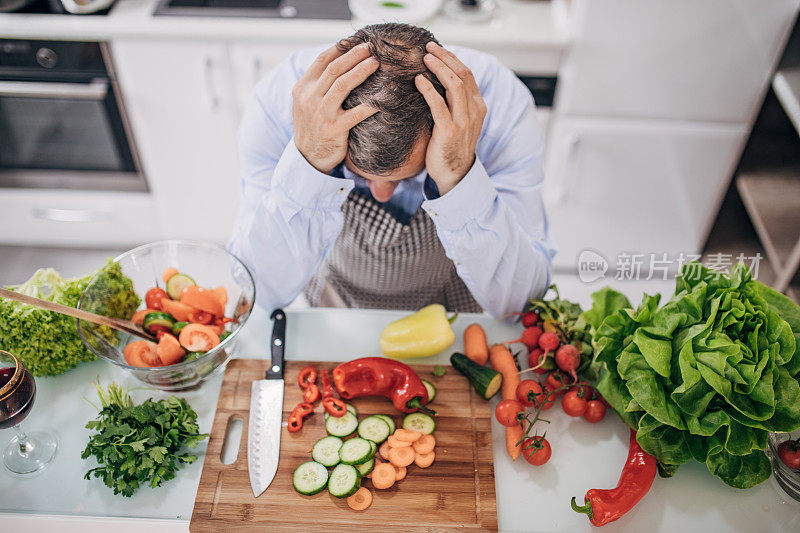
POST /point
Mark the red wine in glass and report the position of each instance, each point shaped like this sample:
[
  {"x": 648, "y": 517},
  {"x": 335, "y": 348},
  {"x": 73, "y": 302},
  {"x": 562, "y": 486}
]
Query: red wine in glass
[
  {"x": 26, "y": 453},
  {"x": 16, "y": 403}
]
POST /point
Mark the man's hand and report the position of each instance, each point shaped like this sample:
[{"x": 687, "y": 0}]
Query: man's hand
[
  {"x": 321, "y": 125},
  {"x": 457, "y": 123}
]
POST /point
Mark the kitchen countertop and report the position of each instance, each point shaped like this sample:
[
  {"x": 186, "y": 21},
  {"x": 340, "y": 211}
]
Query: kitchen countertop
[
  {"x": 519, "y": 23},
  {"x": 528, "y": 498}
]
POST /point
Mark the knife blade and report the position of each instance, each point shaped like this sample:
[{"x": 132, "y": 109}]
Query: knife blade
[{"x": 266, "y": 407}]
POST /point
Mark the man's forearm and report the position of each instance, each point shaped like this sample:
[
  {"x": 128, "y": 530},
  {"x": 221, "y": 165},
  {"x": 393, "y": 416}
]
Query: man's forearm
[
  {"x": 285, "y": 236},
  {"x": 501, "y": 263}
]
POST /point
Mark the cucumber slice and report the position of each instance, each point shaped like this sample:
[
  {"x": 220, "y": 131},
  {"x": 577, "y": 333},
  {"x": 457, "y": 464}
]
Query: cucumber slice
[
  {"x": 419, "y": 422},
  {"x": 309, "y": 478},
  {"x": 177, "y": 283},
  {"x": 177, "y": 327},
  {"x": 341, "y": 426},
  {"x": 389, "y": 422},
  {"x": 344, "y": 481},
  {"x": 365, "y": 468},
  {"x": 430, "y": 388},
  {"x": 326, "y": 451},
  {"x": 355, "y": 451},
  {"x": 374, "y": 428},
  {"x": 350, "y": 408},
  {"x": 374, "y": 447},
  {"x": 192, "y": 355},
  {"x": 157, "y": 318}
]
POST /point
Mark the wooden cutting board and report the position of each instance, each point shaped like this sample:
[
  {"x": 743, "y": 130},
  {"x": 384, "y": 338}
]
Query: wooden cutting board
[{"x": 456, "y": 492}]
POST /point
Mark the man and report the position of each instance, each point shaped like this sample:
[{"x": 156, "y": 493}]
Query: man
[{"x": 390, "y": 172}]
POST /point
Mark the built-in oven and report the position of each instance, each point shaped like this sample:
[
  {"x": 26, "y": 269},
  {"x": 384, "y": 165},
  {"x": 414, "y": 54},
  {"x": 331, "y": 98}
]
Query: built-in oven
[{"x": 62, "y": 119}]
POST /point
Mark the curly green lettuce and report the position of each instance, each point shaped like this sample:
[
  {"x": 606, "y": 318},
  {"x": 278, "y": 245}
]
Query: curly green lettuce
[
  {"x": 48, "y": 343},
  {"x": 707, "y": 375}
]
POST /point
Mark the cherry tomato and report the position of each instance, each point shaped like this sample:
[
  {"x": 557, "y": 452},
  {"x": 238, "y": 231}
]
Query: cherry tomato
[
  {"x": 556, "y": 380},
  {"x": 573, "y": 404},
  {"x": 152, "y": 298},
  {"x": 595, "y": 411},
  {"x": 529, "y": 391},
  {"x": 588, "y": 391},
  {"x": 536, "y": 454},
  {"x": 789, "y": 453},
  {"x": 506, "y": 412}
]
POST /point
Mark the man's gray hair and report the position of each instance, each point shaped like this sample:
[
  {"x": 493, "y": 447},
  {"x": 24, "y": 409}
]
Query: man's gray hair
[{"x": 384, "y": 141}]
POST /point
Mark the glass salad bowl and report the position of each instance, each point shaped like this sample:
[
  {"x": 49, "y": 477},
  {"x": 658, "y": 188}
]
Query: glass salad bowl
[
  {"x": 209, "y": 265},
  {"x": 788, "y": 478}
]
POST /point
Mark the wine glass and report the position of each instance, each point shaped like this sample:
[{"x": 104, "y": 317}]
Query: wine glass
[{"x": 27, "y": 452}]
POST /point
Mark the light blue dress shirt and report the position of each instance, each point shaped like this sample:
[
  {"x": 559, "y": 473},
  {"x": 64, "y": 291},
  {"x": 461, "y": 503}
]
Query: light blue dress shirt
[{"x": 492, "y": 225}]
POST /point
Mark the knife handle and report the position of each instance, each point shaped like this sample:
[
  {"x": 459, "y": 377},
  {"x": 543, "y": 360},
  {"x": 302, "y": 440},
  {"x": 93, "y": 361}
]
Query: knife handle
[{"x": 277, "y": 344}]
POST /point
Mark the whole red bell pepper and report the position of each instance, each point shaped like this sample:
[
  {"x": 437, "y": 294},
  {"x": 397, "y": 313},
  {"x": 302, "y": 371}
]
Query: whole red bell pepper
[
  {"x": 377, "y": 376},
  {"x": 606, "y": 505}
]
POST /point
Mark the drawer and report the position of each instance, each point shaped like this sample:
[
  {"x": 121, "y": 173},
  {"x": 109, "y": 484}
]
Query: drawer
[{"x": 77, "y": 218}]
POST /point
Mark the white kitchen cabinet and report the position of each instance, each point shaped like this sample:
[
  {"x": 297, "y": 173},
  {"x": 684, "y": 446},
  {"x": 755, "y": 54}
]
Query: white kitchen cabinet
[
  {"x": 635, "y": 186},
  {"x": 77, "y": 218},
  {"x": 704, "y": 60},
  {"x": 181, "y": 100},
  {"x": 252, "y": 61}
]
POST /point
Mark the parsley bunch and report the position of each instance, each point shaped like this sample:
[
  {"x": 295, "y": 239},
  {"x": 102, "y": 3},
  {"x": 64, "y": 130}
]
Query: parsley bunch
[{"x": 139, "y": 444}]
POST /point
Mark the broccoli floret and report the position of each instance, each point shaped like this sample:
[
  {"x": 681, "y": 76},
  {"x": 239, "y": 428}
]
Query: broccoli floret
[{"x": 47, "y": 343}]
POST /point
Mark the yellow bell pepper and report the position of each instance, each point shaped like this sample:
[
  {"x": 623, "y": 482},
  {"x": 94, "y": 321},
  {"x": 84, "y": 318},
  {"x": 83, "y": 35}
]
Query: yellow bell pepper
[{"x": 426, "y": 332}]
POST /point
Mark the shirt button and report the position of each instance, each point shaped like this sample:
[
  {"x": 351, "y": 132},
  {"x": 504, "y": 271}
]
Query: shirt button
[
  {"x": 342, "y": 190},
  {"x": 432, "y": 213},
  {"x": 458, "y": 263}
]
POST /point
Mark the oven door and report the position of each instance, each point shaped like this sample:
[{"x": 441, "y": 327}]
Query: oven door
[{"x": 65, "y": 135}]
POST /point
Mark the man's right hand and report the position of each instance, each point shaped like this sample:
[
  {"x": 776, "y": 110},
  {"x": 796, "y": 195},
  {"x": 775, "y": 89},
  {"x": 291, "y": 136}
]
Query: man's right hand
[{"x": 321, "y": 125}]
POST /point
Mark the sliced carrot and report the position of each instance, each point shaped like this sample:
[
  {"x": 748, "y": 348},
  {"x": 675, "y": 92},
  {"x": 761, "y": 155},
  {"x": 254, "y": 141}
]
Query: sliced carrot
[
  {"x": 361, "y": 500},
  {"x": 138, "y": 316},
  {"x": 402, "y": 456},
  {"x": 168, "y": 273},
  {"x": 401, "y": 472},
  {"x": 394, "y": 442},
  {"x": 407, "y": 435},
  {"x": 169, "y": 349},
  {"x": 513, "y": 436},
  {"x": 425, "y": 444},
  {"x": 424, "y": 460},
  {"x": 198, "y": 338},
  {"x": 179, "y": 311},
  {"x": 383, "y": 476},
  {"x": 475, "y": 346},
  {"x": 384, "y": 451},
  {"x": 222, "y": 295},
  {"x": 203, "y": 299}
]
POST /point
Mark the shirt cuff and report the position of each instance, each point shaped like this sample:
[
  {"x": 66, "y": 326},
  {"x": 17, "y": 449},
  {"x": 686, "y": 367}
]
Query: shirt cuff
[
  {"x": 473, "y": 195},
  {"x": 305, "y": 185}
]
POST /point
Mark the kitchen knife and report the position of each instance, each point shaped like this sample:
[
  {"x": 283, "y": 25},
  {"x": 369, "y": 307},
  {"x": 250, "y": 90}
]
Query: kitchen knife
[{"x": 266, "y": 408}]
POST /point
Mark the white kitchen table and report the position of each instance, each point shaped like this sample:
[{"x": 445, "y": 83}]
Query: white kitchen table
[{"x": 528, "y": 498}]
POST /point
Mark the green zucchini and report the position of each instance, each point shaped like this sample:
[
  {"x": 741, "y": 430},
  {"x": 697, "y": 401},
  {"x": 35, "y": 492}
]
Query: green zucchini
[{"x": 485, "y": 380}]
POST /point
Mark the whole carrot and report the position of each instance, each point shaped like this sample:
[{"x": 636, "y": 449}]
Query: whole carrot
[
  {"x": 514, "y": 435},
  {"x": 475, "y": 346},
  {"x": 501, "y": 360}
]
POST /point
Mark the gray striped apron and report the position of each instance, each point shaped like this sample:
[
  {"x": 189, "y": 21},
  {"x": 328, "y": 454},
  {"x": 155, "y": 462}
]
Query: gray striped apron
[{"x": 378, "y": 262}]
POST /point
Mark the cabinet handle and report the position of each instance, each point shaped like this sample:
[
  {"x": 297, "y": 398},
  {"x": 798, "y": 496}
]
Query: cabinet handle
[
  {"x": 211, "y": 91},
  {"x": 568, "y": 170},
  {"x": 71, "y": 215}
]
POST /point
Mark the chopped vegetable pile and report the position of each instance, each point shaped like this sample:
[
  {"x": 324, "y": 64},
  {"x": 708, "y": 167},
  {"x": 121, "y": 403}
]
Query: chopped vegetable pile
[
  {"x": 188, "y": 321},
  {"x": 140, "y": 444},
  {"x": 46, "y": 342},
  {"x": 707, "y": 375}
]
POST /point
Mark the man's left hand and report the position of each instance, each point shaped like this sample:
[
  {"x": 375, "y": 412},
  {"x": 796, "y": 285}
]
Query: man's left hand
[{"x": 457, "y": 122}]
